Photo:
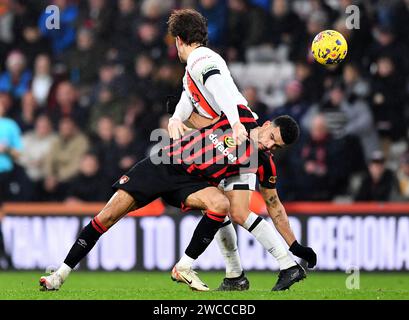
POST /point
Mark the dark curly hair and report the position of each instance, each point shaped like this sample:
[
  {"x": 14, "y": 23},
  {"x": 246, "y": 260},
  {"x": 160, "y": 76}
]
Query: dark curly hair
[
  {"x": 288, "y": 128},
  {"x": 189, "y": 25}
]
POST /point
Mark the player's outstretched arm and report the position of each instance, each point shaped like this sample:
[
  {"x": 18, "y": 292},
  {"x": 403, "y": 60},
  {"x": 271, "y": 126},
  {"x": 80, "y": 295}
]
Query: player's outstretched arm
[
  {"x": 279, "y": 216},
  {"x": 183, "y": 110},
  {"x": 225, "y": 100}
]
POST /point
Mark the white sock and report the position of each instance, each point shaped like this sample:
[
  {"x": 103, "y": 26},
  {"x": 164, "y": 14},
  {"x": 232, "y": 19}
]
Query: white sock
[
  {"x": 64, "y": 271},
  {"x": 226, "y": 239},
  {"x": 185, "y": 262},
  {"x": 266, "y": 235}
]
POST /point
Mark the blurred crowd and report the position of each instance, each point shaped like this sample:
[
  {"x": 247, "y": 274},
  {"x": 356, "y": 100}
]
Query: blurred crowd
[{"x": 78, "y": 103}]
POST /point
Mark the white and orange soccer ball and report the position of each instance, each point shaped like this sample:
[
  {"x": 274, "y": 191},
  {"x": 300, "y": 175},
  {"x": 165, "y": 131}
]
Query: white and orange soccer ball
[{"x": 329, "y": 47}]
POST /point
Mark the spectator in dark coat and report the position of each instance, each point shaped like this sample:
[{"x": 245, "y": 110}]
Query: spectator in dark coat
[
  {"x": 88, "y": 185},
  {"x": 319, "y": 163},
  {"x": 388, "y": 100},
  {"x": 379, "y": 182},
  {"x": 84, "y": 60},
  {"x": 67, "y": 105}
]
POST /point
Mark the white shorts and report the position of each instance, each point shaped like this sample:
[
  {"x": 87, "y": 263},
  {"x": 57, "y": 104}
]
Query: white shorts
[{"x": 245, "y": 181}]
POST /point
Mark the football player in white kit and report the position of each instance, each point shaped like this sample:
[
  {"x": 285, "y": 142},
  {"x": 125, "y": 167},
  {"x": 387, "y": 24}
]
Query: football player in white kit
[{"x": 208, "y": 91}]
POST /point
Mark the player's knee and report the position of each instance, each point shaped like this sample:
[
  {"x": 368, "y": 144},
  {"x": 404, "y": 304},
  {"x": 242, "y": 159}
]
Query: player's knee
[
  {"x": 238, "y": 216},
  {"x": 219, "y": 204}
]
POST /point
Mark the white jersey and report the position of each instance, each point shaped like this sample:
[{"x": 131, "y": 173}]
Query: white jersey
[{"x": 201, "y": 64}]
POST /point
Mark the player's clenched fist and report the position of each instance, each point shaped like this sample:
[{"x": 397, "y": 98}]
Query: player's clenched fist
[
  {"x": 305, "y": 253},
  {"x": 239, "y": 133},
  {"x": 176, "y": 128}
]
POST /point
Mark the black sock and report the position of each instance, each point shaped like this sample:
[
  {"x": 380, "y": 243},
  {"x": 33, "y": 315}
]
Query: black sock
[
  {"x": 85, "y": 242},
  {"x": 204, "y": 234}
]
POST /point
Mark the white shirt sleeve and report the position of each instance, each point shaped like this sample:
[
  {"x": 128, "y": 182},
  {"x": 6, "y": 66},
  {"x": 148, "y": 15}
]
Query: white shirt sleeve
[
  {"x": 183, "y": 109},
  {"x": 223, "y": 97}
]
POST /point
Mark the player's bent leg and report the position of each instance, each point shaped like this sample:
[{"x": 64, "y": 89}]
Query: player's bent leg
[
  {"x": 226, "y": 238},
  {"x": 117, "y": 207},
  {"x": 235, "y": 279},
  {"x": 216, "y": 205},
  {"x": 263, "y": 231}
]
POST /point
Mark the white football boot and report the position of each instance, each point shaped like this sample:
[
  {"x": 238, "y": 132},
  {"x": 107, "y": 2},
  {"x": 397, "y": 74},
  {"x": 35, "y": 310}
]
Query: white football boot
[
  {"x": 51, "y": 283},
  {"x": 188, "y": 276}
]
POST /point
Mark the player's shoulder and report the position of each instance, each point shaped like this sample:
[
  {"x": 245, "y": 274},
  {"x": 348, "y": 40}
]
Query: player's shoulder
[{"x": 202, "y": 56}]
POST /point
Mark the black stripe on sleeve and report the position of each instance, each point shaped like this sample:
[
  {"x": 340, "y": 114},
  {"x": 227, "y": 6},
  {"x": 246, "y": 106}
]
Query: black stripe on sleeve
[{"x": 209, "y": 73}]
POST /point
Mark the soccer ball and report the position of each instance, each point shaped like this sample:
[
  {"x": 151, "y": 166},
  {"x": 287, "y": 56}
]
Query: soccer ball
[{"x": 329, "y": 47}]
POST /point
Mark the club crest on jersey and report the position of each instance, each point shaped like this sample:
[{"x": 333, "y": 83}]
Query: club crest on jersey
[
  {"x": 229, "y": 142},
  {"x": 124, "y": 179}
]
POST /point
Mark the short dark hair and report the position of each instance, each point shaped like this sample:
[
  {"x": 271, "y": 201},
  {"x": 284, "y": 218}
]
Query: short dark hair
[
  {"x": 288, "y": 128},
  {"x": 189, "y": 25}
]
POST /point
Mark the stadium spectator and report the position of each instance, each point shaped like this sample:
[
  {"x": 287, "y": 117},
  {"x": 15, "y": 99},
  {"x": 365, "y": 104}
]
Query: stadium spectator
[
  {"x": 63, "y": 37},
  {"x": 33, "y": 43},
  {"x": 128, "y": 149},
  {"x": 16, "y": 80},
  {"x": 285, "y": 27},
  {"x": 347, "y": 118},
  {"x": 84, "y": 59},
  {"x": 10, "y": 150},
  {"x": 148, "y": 39},
  {"x": 403, "y": 177},
  {"x": 138, "y": 117},
  {"x": 37, "y": 144},
  {"x": 319, "y": 164},
  {"x": 106, "y": 106},
  {"x": 6, "y": 28},
  {"x": 355, "y": 85},
  {"x": 97, "y": 15},
  {"x": 28, "y": 113},
  {"x": 310, "y": 79},
  {"x": 42, "y": 79},
  {"x": 110, "y": 74},
  {"x": 67, "y": 105},
  {"x": 295, "y": 106},
  {"x": 7, "y": 102},
  {"x": 102, "y": 145},
  {"x": 126, "y": 18},
  {"x": 388, "y": 96},
  {"x": 247, "y": 26},
  {"x": 252, "y": 96},
  {"x": 215, "y": 11},
  {"x": 142, "y": 78},
  {"x": 387, "y": 44},
  {"x": 379, "y": 182},
  {"x": 88, "y": 184},
  {"x": 62, "y": 162}
]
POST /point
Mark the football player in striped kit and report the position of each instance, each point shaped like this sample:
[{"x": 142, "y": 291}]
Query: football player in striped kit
[{"x": 208, "y": 92}]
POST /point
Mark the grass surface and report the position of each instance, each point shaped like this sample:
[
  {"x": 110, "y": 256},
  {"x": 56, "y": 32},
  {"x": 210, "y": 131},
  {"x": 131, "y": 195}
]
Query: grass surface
[{"x": 158, "y": 286}]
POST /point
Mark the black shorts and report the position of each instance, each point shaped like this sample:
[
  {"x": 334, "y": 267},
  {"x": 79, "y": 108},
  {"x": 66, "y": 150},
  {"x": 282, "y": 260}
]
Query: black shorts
[{"x": 146, "y": 182}]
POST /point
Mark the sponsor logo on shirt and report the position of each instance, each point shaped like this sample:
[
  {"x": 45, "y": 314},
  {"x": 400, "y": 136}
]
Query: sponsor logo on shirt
[{"x": 219, "y": 145}]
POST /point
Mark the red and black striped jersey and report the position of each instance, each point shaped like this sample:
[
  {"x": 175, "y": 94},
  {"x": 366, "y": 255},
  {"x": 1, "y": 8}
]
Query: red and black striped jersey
[
  {"x": 266, "y": 172},
  {"x": 211, "y": 152}
]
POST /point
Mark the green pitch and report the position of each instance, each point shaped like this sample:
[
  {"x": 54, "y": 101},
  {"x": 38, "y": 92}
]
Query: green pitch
[{"x": 158, "y": 286}]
